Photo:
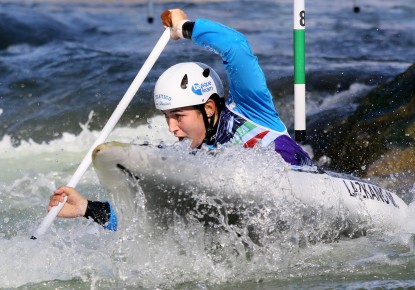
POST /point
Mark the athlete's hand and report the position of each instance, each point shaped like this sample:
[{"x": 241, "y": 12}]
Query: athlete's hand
[
  {"x": 174, "y": 18},
  {"x": 75, "y": 205}
]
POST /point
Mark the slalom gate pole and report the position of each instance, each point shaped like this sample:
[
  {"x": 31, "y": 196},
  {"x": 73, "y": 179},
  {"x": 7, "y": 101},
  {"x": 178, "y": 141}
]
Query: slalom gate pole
[
  {"x": 150, "y": 11},
  {"x": 299, "y": 71}
]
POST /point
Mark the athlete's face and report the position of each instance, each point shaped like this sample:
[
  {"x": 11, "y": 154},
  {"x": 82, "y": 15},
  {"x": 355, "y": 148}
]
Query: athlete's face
[{"x": 186, "y": 123}]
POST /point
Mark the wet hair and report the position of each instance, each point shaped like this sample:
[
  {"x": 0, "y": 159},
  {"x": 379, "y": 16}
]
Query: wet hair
[{"x": 219, "y": 102}]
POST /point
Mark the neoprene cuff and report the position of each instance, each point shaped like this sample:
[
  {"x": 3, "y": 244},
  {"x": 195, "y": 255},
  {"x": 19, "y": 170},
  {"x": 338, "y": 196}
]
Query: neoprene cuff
[
  {"x": 102, "y": 213},
  {"x": 187, "y": 29}
]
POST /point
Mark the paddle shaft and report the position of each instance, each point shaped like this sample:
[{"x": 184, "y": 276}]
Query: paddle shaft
[{"x": 116, "y": 115}]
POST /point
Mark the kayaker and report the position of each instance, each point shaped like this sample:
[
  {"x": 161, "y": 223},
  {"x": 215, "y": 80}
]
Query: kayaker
[{"x": 192, "y": 98}]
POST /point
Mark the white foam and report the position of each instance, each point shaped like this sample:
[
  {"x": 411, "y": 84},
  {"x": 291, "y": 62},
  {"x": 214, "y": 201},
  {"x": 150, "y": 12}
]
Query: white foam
[
  {"x": 154, "y": 131},
  {"x": 345, "y": 98}
]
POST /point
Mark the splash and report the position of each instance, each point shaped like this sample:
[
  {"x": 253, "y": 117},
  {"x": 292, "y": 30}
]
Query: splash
[{"x": 241, "y": 231}]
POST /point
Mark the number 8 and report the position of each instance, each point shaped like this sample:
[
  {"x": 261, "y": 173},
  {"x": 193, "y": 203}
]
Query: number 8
[{"x": 302, "y": 18}]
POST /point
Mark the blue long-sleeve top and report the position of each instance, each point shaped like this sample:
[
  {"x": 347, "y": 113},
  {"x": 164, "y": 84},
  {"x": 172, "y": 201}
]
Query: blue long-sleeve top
[
  {"x": 250, "y": 116},
  {"x": 249, "y": 95}
]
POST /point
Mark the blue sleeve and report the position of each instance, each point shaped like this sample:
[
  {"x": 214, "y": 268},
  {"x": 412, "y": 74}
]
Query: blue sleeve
[
  {"x": 247, "y": 85},
  {"x": 112, "y": 223}
]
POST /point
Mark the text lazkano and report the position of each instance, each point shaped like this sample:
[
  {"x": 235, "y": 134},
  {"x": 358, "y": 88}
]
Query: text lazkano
[{"x": 367, "y": 191}]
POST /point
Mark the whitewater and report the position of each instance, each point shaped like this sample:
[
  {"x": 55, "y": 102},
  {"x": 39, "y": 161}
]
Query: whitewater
[{"x": 59, "y": 87}]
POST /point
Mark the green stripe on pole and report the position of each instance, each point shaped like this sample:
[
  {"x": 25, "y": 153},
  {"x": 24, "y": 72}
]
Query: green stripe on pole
[{"x": 299, "y": 56}]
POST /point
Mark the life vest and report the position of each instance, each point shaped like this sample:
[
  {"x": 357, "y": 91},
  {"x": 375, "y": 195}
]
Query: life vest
[{"x": 236, "y": 129}]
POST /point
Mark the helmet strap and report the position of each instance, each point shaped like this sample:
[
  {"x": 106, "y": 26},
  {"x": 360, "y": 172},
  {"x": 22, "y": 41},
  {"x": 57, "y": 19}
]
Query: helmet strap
[
  {"x": 211, "y": 131},
  {"x": 210, "y": 126}
]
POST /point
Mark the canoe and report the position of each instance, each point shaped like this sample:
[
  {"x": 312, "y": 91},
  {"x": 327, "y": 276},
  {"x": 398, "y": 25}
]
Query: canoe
[{"x": 248, "y": 190}]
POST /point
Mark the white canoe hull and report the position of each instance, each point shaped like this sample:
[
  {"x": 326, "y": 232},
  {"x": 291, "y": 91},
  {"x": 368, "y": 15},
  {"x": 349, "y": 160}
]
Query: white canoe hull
[{"x": 171, "y": 178}]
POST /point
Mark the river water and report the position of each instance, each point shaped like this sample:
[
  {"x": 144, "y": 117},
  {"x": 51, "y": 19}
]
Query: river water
[{"x": 64, "y": 65}]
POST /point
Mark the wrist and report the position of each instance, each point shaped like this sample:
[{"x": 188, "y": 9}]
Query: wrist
[{"x": 82, "y": 208}]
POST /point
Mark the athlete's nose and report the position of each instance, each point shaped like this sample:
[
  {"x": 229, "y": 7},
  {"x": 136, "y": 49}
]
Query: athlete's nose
[{"x": 172, "y": 123}]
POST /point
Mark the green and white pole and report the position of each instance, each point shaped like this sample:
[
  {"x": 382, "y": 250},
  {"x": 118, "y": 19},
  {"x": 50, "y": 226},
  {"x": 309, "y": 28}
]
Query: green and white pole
[{"x": 299, "y": 70}]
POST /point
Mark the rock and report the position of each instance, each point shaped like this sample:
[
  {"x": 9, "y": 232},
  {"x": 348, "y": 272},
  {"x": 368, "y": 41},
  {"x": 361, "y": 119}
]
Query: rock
[
  {"x": 393, "y": 161},
  {"x": 382, "y": 125}
]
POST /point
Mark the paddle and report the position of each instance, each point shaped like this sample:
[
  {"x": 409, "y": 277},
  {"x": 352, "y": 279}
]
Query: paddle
[{"x": 116, "y": 115}]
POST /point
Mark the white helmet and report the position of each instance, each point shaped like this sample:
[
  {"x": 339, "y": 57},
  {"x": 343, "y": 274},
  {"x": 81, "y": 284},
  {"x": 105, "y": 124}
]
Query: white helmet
[{"x": 186, "y": 84}]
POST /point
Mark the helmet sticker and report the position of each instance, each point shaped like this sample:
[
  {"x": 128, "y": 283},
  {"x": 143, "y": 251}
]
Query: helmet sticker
[
  {"x": 200, "y": 89},
  {"x": 162, "y": 100},
  {"x": 196, "y": 89}
]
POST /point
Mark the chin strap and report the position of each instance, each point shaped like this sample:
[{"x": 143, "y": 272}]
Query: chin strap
[
  {"x": 210, "y": 126},
  {"x": 211, "y": 130}
]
